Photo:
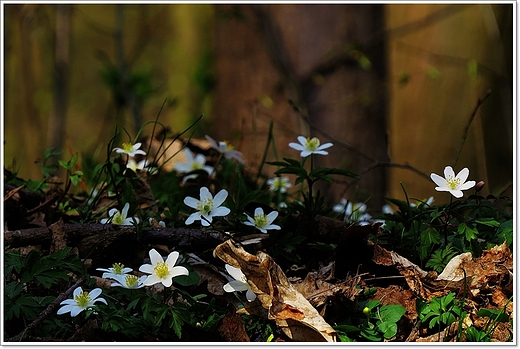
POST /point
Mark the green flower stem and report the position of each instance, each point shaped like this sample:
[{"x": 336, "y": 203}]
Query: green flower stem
[{"x": 448, "y": 209}]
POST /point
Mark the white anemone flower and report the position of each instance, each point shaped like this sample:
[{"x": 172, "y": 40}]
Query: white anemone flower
[
  {"x": 117, "y": 270},
  {"x": 280, "y": 184},
  {"x": 262, "y": 221},
  {"x": 226, "y": 149},
  {"x": 81, "y": 300},
  {"x": 162, "y": 271},
  {"x": 193, "y": 163},
  {"x": 454, "y": 184},
  {"x": 207, "y": 207},
  {"x": 141, "y": 165},
  {"x": 308, "y": 146},
  {"x": 129, "y": 281},
  {"x": 130, "y": 150},
  {"x": 239, "y": 284},
  {"x": 119, "y": 218}
]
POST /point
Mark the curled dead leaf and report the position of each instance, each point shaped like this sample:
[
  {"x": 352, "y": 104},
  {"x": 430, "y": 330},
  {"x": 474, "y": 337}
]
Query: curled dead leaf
[{"x": 297, "y": 318}]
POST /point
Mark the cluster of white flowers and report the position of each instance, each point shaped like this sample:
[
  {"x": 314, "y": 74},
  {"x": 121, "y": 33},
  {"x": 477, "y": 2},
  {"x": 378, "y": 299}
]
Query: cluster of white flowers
[
  {"x": 207, "y": 207},
  {"x": 160, "y": 270}
]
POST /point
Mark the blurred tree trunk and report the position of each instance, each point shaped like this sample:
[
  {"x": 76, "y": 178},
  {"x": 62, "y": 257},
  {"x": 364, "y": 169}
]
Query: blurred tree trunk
[
  {"x": 313, "y": 70},
  {"x": 57, "y": 119}
]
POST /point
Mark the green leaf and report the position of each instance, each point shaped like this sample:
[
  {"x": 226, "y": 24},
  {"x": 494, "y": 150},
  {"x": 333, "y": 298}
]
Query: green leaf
[
  {"x": 392, "y": 312},
  {"x": 490, "y": 222},
  {"x": 388, "y": 328},
  {"x": 468, "y": 232},
  {"x": 497, "y": 315},
  {"x": 176, "y": 323},
  {"x": 187, "y": 280}
]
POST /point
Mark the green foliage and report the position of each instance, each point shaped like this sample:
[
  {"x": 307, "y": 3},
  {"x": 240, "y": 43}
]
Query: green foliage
[
  {"x": 374, "y": 323},
  {"x": 441, "y": 257},
  {"x": 423, "y": 232},
  {"x": 441, "y": 311},
  {"x": 32, "y": 282}
]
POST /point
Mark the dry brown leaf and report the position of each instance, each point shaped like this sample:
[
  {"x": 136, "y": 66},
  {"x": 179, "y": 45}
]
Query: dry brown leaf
[
  {"x": 297, "y": 318},
  {"x": 232, "y": 328}
]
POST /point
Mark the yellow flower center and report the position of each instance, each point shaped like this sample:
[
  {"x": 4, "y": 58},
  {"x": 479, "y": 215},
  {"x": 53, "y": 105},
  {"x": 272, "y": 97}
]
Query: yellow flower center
[
  {"x": 131, "y": 280},
  {"x": 228, "y": 146},
  {"x": 128, "y": 147},
  {"x": 117, "y": 268},
  {"x": 313, "y": 144},
  {"x": 161, "y": 269},
  {"x": 453, "y": 183},
  {"x": 195, "y": 165},
  {"x": 82, "y": 299},
  {"x": 118, "y": 218},
  {"x": 260, "y": 220},
  {"x": 205, "y": 206}
]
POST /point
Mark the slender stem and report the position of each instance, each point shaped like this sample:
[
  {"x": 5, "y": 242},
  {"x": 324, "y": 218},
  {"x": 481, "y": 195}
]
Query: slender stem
[
  {"x": 448, "y": 209},
  {"x": 310, "y": 182}
]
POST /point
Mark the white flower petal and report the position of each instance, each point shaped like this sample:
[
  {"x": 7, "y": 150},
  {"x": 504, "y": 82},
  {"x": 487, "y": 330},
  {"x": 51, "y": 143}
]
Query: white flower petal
[
  {"x": 152, "y": 280},
  {"x": 172, "y": 259},
  {"x": 191, "y": 202},
  {"x": 325, "y": 146},
  {"x": 76, "y": 310},
  {"x": 273, "y": 226},
  {"x": 448, "y": 172},
  {"x": 102, "y": 300},
  {"x": 77, "y": 292},
  {"x": 457, "y": 193},
  {"x": 205, "y": 194},
  {"x": 272, "y": 216},
  {"x": 305, "y": 153},
  {"x": 467, "y": 185},
  {"x": 64, "y": 309},
  {"x": 94, "y": 293},
  {"x": 124, "y": 212},
  {"x": 463, "y": 175},
  {"x": 259, "y": 211},
  {"x": 155, "y": 257},
  {"x": 442, "y": 189},
  {"x": 220, "y": 211},
  {"x": 192, "y": 218},
  {"x": 220, "y": 197},
  {"x": 250, "y": 295},
  {"x": 236, "y": 286},
  {"x": 179, "y": 271},
  {"x": 302, "y": 140},
  {"x": 297, "y": 146},
  {"x": 235, "y": 272},
  {"x": 167, "y": 282},
  {"x": 146, "y": 268},
  {"x": 441, "y": 182}
]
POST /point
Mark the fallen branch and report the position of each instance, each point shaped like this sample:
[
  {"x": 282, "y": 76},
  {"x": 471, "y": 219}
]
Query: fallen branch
[{"x": 75, "y": 232}]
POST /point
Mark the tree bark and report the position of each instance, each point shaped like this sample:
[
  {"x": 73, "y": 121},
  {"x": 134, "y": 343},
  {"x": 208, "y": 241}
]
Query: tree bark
[{"x": 304, "y": 67}]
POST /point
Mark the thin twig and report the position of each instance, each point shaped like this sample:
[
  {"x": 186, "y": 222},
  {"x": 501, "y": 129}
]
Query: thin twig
[
  {"x": 470, "y": 121},
  {"x": 44, "y": 314}
]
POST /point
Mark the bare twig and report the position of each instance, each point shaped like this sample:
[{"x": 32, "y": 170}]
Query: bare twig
[
  {"x": 466, "y": 129},
  {"x": 44, "y": 314}
]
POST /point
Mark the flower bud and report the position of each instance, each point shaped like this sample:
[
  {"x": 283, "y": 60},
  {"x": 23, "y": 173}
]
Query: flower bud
[
  {"x": 366, "y": 311},
  {"x": 479, "y": 186}
]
